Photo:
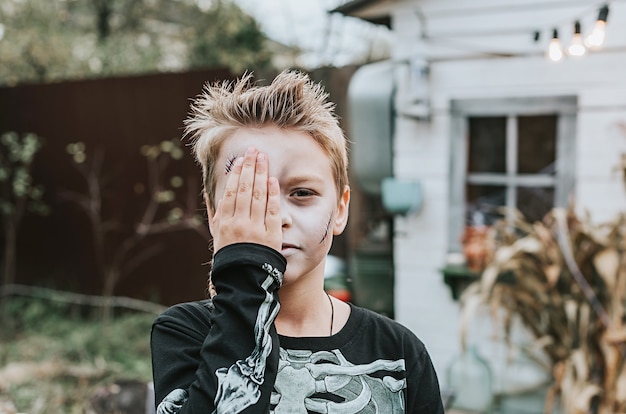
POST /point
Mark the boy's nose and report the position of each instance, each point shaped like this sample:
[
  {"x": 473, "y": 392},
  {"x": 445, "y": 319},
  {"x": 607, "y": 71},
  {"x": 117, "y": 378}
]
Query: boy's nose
[{"x": 285, "y": 215}]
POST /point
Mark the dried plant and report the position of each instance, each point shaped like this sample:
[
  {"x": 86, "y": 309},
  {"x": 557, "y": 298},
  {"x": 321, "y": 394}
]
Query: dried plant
[{"x": 565, "y": 279}]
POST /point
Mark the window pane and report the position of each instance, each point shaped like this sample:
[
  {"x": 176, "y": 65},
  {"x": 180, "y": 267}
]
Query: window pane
[
  {"x": 536, "y": 144},
  {"x": 487, "y": 144},
  {"x": 535, "y": 202},
  {"x": 483, "y": 203}
]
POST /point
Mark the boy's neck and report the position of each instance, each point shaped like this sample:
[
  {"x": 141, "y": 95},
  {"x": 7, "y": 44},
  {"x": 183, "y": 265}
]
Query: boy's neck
[
  {"x": 310, "y": 314},
  {"x": 304, "y": 314}
]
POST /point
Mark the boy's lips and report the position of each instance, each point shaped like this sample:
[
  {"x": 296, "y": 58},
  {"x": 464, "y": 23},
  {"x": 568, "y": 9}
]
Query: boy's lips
[{"x": 288, "y": 249}]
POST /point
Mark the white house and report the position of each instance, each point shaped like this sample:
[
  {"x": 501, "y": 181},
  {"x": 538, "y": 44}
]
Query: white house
[{"x": 481, "y": 116}]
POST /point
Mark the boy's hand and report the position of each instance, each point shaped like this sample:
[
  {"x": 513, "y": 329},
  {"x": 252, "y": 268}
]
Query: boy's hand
[{"x": 250, "y": 209}]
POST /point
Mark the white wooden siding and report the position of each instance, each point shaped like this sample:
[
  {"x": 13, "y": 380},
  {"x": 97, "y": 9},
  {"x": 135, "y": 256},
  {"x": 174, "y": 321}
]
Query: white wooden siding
[{"x": 421, "y": 150}]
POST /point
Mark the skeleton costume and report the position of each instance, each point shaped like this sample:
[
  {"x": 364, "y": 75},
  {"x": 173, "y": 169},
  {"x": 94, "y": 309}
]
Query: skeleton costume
[{"x": 225, "y": 356}]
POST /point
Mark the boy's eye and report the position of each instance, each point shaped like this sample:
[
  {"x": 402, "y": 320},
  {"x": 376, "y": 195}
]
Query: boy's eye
[{"x": 302, "y": 193}]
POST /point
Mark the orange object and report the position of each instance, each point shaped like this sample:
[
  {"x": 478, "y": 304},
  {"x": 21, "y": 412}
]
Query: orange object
[
  {"x": 341, "y": 294},
  {"x": 476, "y": 247}
]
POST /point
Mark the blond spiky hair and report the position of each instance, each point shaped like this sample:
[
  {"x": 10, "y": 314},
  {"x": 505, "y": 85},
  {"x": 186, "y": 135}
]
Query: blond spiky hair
[{"x": 292, "y": 101}]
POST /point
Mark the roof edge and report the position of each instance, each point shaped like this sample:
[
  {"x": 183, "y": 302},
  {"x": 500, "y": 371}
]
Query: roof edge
[{"x": 354, "y": 8}]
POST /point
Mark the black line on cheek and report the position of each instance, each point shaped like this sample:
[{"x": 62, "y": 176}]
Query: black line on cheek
[{"x": 327, "y": 229}]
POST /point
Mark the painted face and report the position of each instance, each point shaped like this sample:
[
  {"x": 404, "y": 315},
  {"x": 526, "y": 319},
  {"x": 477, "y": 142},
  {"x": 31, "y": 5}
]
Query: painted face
[{"x": 312, "y": 212}]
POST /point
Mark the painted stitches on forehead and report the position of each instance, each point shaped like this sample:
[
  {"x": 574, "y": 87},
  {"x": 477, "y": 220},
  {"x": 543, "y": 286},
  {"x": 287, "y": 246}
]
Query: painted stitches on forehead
[{"x": 230, "y": 161}]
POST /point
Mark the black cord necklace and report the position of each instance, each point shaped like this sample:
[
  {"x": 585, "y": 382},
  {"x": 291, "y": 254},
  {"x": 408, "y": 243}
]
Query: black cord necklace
[{"x": 332, "y": 313}]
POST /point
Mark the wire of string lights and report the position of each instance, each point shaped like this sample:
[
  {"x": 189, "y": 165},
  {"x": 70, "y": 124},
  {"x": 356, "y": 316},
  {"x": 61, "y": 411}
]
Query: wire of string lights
[{"x": 579, "y": 45}]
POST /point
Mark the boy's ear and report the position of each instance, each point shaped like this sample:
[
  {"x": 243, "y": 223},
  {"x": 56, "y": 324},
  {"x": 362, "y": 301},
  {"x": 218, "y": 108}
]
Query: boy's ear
[{"x": 341, "y": 218}]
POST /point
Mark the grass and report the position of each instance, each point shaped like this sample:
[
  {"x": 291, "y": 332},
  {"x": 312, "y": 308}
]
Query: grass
[{"x": 54, "y": 357}]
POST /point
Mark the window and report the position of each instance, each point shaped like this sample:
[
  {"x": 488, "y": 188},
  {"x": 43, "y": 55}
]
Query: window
[{"x": 509, "y": 153}]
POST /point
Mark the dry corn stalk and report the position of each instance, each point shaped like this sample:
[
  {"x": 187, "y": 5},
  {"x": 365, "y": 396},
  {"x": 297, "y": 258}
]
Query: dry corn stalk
[{"x": 565, "y": 279}]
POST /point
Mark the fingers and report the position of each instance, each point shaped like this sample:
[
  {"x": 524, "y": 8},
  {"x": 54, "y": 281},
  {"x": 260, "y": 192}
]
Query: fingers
[
  {"x": 250, "y": 208},
  {"x": 246, "y": 183},
  {"x": 273, "y": 219},
  {"x": 259, "y": 189},
  {"x": 229, "y": 199}
]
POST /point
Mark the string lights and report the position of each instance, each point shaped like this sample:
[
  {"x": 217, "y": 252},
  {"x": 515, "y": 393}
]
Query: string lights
[
  {"x": 578, "y": 47},
  {"x": 555, "y": 50},
  {"x": 596, "y": 37}
]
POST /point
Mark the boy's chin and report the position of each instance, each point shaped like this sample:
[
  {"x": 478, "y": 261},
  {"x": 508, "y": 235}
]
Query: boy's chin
[{"x": 297, "y": 272}]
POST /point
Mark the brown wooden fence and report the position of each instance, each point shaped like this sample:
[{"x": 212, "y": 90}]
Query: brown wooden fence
[{"x": 116, "y": 116}]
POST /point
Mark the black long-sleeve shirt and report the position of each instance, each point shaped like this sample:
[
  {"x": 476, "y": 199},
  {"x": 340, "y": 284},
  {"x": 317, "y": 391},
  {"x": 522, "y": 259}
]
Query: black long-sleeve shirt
[{"x": 224, "y": 355}]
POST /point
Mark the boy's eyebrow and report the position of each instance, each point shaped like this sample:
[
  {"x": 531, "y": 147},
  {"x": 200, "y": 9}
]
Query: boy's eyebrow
[{"x": 304, "y": 179}]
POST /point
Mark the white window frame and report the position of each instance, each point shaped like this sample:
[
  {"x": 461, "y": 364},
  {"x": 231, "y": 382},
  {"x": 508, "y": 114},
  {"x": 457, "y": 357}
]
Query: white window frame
[{"x": 564, "y": 107}]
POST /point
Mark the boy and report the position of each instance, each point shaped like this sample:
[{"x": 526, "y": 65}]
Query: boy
[{"x": 275, "y": 173}]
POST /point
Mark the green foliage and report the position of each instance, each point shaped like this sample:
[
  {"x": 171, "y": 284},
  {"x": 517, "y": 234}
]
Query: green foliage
[
  {"x": 47, "y": 40},
  {"x": 73, "y": 353},
  {"x": 35, "y": 40},
  {"x": 16, "y": 184},
  {"x": 238, "y": 35}
]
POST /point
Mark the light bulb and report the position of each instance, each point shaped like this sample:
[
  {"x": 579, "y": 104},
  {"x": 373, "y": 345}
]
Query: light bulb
[
  {"x": 576, "y": 48},
  {"x": 555, "y": 52},
  {"x": 597, "y": 35}
]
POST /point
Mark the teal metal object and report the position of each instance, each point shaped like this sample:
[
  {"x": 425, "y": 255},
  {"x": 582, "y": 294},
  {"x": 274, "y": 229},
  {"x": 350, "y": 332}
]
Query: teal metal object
[{"x": 402, "y": 197}]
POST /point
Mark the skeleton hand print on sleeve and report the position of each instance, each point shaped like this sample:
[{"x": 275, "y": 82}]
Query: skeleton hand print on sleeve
[{"x": 239, "y": 384}]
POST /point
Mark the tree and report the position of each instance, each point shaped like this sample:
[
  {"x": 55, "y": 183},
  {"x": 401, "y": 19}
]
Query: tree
[
  {"x": 18, "y": 192},
  {"x": 242, "y": 44},
  {"x": 34, "y": 42},
  {"x": 118, "y": 251},
  {"x": 56, "y": 40}
]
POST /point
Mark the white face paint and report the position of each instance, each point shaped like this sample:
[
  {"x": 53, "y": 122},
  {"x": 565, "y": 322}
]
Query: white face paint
[{"x": 310, "y": 208}]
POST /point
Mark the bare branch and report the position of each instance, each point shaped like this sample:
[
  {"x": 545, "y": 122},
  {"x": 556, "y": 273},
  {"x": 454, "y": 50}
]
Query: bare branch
[{"x": 80, "y": 299}]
